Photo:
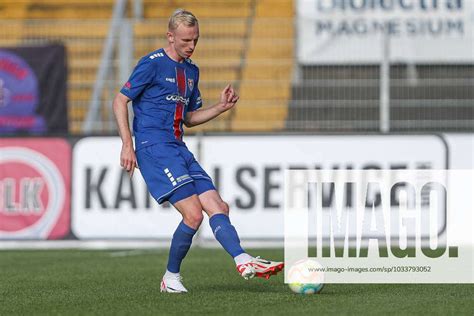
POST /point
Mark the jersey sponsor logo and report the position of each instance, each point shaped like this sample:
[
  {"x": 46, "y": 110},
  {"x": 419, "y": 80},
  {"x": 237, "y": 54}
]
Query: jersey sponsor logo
[
  {"x": 177, "y": 98},
  {"x": 190, "y": 84},
  {"x": 173, "y": 80},
  {"x": 156, "y": 55}
]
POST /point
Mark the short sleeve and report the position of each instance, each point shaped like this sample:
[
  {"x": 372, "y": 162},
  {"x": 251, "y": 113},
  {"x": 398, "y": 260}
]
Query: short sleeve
[
  {"x": 141, "y": 77},
  {"x": 196, "y": 101}
]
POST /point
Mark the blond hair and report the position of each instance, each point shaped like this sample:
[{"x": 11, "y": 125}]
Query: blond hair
[{"x": 181, "y": 16}]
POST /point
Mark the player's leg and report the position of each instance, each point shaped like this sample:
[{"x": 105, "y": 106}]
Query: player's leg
[
  {"x": 190, "y": 208},
  {"x": 168, "y": 179},
  {"x": 226, "y": 234},
  {"x": 187, "y": 203},
  {"x": 224, "y": 231}
]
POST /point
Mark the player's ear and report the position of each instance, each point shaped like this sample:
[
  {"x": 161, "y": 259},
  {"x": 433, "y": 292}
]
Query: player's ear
[{"x": 170, "y": 37}]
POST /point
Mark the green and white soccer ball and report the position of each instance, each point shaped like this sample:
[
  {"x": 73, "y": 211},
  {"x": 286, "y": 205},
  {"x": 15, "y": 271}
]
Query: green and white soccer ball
[{"x": 306, "y": 277}]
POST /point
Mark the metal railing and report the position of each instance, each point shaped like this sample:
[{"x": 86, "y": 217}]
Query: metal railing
[{"x": 347, "y": 98}]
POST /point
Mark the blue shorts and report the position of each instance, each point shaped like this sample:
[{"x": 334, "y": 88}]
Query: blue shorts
[{"x": 171, "y": 172}]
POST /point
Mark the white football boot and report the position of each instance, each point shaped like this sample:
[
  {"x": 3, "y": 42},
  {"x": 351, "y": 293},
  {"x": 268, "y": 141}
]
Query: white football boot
[
  {"x": 172, "y": 284},
  {"x": 246, "y": 270},
  {"x": 260, "y": 268}
]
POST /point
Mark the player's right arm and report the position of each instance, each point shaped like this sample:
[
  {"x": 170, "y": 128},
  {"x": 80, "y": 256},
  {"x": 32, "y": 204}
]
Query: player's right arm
[
  {"x": 128, "y": 160},
  {"x": 141, "y": 77}
]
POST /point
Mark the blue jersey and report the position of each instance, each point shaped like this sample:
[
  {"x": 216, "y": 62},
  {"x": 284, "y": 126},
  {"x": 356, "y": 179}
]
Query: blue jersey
[{"x": 162, "y": 91}]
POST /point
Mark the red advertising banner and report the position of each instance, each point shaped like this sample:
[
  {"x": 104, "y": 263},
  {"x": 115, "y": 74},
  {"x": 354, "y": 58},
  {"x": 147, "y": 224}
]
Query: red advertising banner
[{"x": 35, "y": 177}]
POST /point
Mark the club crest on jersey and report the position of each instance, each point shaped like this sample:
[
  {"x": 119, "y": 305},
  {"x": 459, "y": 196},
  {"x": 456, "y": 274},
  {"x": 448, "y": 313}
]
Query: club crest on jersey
[{"x": 190, "y": 84}]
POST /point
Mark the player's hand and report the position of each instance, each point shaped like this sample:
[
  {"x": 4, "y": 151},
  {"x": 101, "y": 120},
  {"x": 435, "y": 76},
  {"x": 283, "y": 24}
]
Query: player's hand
[
  {"x": 128, "y": 160},
  {"x": 228, "y": 98}
]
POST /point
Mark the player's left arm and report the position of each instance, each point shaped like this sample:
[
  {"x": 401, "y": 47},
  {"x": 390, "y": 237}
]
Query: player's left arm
[{"x": 228, "y": 99}]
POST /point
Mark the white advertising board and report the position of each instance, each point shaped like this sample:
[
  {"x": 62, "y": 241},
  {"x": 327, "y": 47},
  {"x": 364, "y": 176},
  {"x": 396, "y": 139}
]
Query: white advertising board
[
  {"x": 461, "y": 157},
  {"x": 106, "y": 204},
  {"x": 249, "y": 171},
  {"x": 351, "y": 31}
]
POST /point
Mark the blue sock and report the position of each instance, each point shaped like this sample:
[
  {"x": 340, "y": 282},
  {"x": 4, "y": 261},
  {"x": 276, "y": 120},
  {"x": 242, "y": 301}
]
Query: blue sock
[
  {"x": 182, "y": 239},
  {"x": 226, "y": 234}
]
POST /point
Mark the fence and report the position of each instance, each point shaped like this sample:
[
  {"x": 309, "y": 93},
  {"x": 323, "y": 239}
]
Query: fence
[
  {"x": 347, "y": 98},
  {"x": 258, "y": 56}
]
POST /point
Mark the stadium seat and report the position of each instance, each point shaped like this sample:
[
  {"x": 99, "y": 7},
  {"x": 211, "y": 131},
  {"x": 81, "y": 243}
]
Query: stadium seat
[
  {"x": 203, "y": 9},
  {"x": 223, "y": 27},
  {"x": 266, "y": 77},
  {"x": 56, "y": 9},
  {"x": 236, "y": 46}
]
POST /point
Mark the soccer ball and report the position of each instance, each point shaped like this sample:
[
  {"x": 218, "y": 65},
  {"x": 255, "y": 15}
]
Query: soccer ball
[
  {"x": 306, "y": 277},
  {"x": 309, "y": 288}
]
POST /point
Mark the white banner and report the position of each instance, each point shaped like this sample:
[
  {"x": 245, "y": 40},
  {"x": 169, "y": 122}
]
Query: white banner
[
  {"x": 461, "y": 157},
  {"x": 249, "y": 171},
  {"x": 351, "y": 31}
]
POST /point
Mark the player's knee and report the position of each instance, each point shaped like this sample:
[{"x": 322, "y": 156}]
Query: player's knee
[
  {"x": 194, "y": 219},
  {"x": 224, "y": 207}
]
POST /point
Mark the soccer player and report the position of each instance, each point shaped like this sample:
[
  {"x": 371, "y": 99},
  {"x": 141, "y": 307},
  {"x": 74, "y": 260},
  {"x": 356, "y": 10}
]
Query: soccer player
[{"x": 165, "y": 94}]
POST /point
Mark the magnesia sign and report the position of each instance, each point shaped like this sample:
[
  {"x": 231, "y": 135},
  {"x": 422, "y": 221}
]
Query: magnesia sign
[
  {"x": 107, "y": 203},
  {"x": 249, "y": 171},
  {"x": 351, "y": 31},
  {"x": 34, "y": 188}
]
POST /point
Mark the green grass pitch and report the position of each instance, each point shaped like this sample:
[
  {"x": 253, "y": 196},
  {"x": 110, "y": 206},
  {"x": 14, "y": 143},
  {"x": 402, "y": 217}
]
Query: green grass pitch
[{"x": 74, "y": 282}]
